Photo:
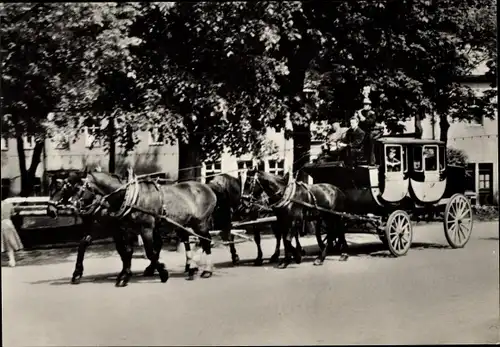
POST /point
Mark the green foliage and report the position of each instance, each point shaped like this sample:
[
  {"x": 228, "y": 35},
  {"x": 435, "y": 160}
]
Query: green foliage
[{"x": 456, "y": 157}]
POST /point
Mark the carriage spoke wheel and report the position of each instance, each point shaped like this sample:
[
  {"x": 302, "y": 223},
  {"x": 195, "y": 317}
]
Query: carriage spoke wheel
[
  {"x": 399, "y": 233},
  {"x": 458, "y": 221}
]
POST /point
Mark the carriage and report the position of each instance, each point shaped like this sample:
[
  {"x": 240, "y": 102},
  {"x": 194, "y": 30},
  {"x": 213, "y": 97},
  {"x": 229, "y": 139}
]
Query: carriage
[{"x": 410, "y": 181}]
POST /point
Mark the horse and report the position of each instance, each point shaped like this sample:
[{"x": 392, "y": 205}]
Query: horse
[
  {"x": 144, "y": 203},
  {"x": 290, "y": 214},
  {"x": 61, "y": 191},
  {"x": 256, "y": 197},
  {"x": 231, "y": 203}
]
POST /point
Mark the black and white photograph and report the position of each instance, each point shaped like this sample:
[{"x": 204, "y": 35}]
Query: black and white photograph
[{"x": 249, "y": 173}]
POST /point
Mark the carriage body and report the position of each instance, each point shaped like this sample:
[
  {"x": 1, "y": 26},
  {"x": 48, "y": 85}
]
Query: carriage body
[{"x": 410, "y": 179}]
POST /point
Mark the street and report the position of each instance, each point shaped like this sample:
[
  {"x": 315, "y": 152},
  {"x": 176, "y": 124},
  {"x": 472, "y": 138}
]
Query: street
[{"x": 432, "y": 295}]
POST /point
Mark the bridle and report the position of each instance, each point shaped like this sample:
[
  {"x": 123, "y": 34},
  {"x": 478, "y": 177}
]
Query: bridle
[
  {"x": 283, "y": 201},
  {"x": 96, "y": 203},
  {"x": 67, "y": 186}
]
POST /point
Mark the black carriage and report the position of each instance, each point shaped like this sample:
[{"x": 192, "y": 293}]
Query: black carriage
[{"x": 409, "y": 181}]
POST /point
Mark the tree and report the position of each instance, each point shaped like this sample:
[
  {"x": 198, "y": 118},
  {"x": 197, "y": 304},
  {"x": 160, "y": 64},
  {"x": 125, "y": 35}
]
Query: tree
[
  {"x": 38, "y": 60},
  {"x": 204, "y": 86}
]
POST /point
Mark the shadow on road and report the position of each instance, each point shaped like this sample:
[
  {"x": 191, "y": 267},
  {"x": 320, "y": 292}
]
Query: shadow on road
[
  {"x": 372, "y": 249},
  {"x": 108, "y": 278}
]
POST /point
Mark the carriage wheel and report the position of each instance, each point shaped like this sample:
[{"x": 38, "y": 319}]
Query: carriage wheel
[
  {"x": 458, "y": 221},
  {"x": 399, "y": 233}
]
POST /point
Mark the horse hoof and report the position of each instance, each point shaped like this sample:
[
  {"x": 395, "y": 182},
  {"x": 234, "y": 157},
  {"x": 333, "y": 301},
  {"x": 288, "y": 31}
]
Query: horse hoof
[
  {"x": 121, "y": 283},
  {"x": 164, "y": 276},
  {"x": 190, "y": 278},
  {"x": 258, "y": 262},
  {"x": 236, "y": 260},
  {"x": 76, "y": 280},
  {"x": 298, "y": 258},
  {"x": 149, "y": 272},
  {"x": 282, "y": 265},
  {"x": 206, "y": 274},
  {"x": 344, "y": 257},
  {"x": 318, "y": 262},
  {"x": 275, "y": 258}
]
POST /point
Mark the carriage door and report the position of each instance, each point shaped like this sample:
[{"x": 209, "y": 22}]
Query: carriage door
[
  {"x": 396, "y": 185},
  {"x": 433, "y": 167}
]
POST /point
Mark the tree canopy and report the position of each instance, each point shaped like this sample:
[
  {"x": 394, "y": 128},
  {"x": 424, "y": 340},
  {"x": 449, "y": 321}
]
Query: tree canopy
[{"x": 216, "y": 75}]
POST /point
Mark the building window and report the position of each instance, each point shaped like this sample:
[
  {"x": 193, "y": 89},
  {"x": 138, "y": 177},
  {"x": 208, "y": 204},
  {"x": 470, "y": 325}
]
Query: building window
[
  {"x": 62, "y": 142},
  {"x": 486, "y": 183},
  {"x": 477, "y": 117},
  {"x": 5, "y": 144},
  {"x": 91, "y": 140},
  {"x": 245, "y": 164},
  {"x": 277, "y": 167},
  {"x": 212, "y": 169},
  {"x": 156, "y": 137},
  {"x": 29, "y": 142}
]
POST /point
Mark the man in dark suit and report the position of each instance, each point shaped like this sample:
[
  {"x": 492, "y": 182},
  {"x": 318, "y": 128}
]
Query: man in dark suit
[{"x": 352, "y": 143}]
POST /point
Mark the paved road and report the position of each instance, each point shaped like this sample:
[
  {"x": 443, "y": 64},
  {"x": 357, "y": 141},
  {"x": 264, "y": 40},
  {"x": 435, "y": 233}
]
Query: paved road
[{"x": 432, "y": 295}]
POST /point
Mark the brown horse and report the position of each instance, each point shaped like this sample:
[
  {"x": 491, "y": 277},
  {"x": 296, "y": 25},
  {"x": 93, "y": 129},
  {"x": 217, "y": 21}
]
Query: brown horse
[
  {"x": 231, "y": 204},
  {"x": 290, "y": 214},
  {"x": 142, "y": 203},
  {"x": 62, "y": 190},
  {"x": 256, "y": 205}
]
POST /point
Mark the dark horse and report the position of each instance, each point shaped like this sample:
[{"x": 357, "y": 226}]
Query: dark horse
[
  {"x": 231, "y": 204},
  {"x": 188, "y": 204},
  {"x": 290, "y": 214},
  {"x": 61, "y": 191}
]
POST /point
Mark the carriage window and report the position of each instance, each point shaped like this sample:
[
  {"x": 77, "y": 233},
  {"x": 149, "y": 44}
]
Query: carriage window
[
  {"x": 393, "y": 158},
  {"x": 417, "y": 159},
  {"x": 442, "y": 158},
  {"x": 430, "y": 158}
]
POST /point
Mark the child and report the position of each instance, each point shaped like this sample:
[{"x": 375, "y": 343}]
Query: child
[{"x": 11, "y": 241}]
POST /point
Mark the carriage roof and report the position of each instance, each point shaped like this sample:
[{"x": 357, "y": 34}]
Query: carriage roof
[{"x": 409, "y": 141}]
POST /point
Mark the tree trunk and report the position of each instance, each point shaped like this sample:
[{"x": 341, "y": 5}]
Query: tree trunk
[
  {"x": 301, "y": 148},
  {"x": 444, "y": 125},
  {"x": 28, "y": 175},
  {"x": 418, "y": 126},
  {"x": 112, "y": 145},
  {"x": 189, "y": 159}
]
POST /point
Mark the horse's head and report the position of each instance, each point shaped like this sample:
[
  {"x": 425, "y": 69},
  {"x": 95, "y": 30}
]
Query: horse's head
[
  {"x": 60, "y": 193},
  {"x": 90, "y": 195}
]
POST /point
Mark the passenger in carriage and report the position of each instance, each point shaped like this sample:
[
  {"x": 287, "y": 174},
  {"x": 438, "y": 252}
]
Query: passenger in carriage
[
  {"x": 393, "y": 163},
  {"x": 430, "y": 159}
]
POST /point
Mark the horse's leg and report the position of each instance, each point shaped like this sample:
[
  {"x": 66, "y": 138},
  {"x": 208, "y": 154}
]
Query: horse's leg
[
  {"x": 78, "y": 272},
  {"x": 256, "y": 238},
  {"x": 343, "y": 246},
  {"x": 206, "y": 245},
  {"x": 227, "y": 236},
  {"x": 191, "y": 267},
  {"x": 277, "y": 234},
  {"x": 149, "y": 271},
  {"x": 330, "y": 225},
  {"x": 127, "y": 252},
  {"x": 152, "y": 245},
  {"x": 287, "y": 242},
  {"x": 295, "y": 234}
]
